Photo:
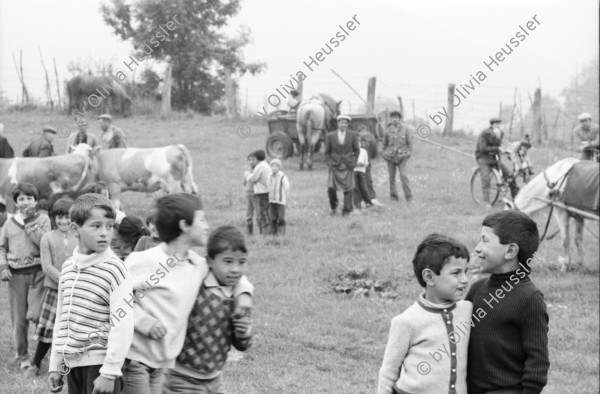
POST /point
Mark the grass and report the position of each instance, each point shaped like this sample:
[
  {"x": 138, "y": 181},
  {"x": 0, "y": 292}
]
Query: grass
[{"x": 307, "y": 339}]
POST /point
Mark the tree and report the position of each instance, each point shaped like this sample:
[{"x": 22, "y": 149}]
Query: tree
[
  {"x": 196, "y": 48},
  {"x": 582, "y": 94}
]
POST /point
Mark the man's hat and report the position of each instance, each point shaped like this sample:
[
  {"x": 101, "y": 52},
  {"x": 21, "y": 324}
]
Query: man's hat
[
  {"x": 49, "y": 129},
  {"x": 495, "y": 120},
  {"x": 342, "y": 117},
  {"x": 105, "y": 116},
  {"x": 584, "y": 116},
  {"x": 396, "y": 113}
]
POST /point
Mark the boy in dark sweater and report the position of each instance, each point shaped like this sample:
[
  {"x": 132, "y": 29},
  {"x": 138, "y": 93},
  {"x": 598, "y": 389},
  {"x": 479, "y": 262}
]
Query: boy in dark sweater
[{"x": 508, "y": 348}]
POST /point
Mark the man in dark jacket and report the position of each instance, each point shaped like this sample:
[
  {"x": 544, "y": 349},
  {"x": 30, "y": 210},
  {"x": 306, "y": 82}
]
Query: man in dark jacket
[
  {"x": 341, "y": 153},
  {"x": 42, "y": 145},
  {"x": 6, "y": 151}
]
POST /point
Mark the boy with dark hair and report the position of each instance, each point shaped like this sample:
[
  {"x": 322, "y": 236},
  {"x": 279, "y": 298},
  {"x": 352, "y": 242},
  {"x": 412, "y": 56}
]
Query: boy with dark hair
[
  {"x": 259, "y": 179},
  {"x": 20, "y": 264},
  {"x": 166, "y": 280},
  {"x": 214, "y": 325},
  {"x": 94, "y": 320},
  {"x": 508, "y": 351},
  {"x": 439, "y": 320}
]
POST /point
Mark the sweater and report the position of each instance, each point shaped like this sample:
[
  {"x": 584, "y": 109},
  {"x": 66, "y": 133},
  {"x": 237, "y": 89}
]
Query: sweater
[
  {"x": 279, "y": 188},
  {"x": 94, "y": 316},
  {"x": 509, "y": 339},
  {"x": 249, "y": 186},
  {"x": 20, "y": 243},
  {"x": 427, "y": 349},
  {"x": 210, "y": 332},
  {"x": 260, "y": 177},
  {"x": 113, "y": 138},
  {"x": 55, "y": 248},
  {"x": 362, "y": 162},
  {"x": 166, "y": 290}
]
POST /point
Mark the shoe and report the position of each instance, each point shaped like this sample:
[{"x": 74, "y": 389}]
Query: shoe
[
  {"x": 32, "y": 372},
  {"x": 25, "y": 364},
  {"x": 333, "y": 212},
  {"x": 376, "y": 203},
  {"x": 394, "y": 198}
]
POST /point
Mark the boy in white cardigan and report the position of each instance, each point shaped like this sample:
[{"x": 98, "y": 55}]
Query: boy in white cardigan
[
  {"x": 428, "y": 343},
  {"x": 279, "y": 190}
]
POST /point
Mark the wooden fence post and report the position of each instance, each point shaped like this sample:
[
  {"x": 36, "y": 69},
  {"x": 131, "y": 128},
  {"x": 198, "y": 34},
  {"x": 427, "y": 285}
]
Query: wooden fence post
[
  {"x": 450, "y": 117},
  {"x": 48, "y": 92},
  {"x": 166, "y": 91},
  {"x": 371, "y": 92},
  {"x": 537, "y": 115}
]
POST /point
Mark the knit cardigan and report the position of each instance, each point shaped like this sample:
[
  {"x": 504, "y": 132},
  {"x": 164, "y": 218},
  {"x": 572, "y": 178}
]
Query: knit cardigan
[
  {"x": 55, "y": 248},
  {"x": 20, "y": 243}
]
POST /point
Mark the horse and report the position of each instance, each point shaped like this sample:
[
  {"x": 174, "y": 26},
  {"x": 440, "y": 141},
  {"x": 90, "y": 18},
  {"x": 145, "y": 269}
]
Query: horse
[
  {"x": 552, "y": 181},
  {"x": 313, "y": 119}
]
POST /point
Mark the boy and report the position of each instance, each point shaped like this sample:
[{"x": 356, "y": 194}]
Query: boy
[
  {"x": 279, "y": 190},
  {"x": 94, "y": 292},
  {"x": 20, "y": 264},
  {"x": 519, "y": 155},
  {"x": 213, "y": 325},
  {"x": 258, "y": 180},
  {"x": 250, "y": 208},
  {"x": 361, "y": 191},
  {"x": 427, "y": 347},
  {"x": 166, "y": 280},
  {"x": 508, "y": 351}
]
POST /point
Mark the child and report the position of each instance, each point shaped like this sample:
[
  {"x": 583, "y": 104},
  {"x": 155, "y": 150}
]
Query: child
[
  {"x": 213, "y": 325},
  {"x": 148, "y": 241},
  {"x": 101, "y": 187},
  {"x": 94, "y": 320},
  {"x": 279, "y": 190},
  {"x": 519, "y": 155},
  {"x": 56, "y": 246},
  {"x": 250, "y": 208},
  {"x": 508, "y": 351},
  {"x": 129, "y": 233},
  {"x": 20, "y": 264},
  {"x": 361, "y": 191},
  {"x": 166, "y": 279},
  {"x": 258, "y": 179},
  {"x": 427, "y": 346}
]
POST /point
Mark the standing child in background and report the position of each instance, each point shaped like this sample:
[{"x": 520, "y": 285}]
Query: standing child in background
[
  {"x": 519, "y": 155},
  {"x": 21, "y": 266},
  {"x": 251, "y": 209},
  {"x": 361, "y": 190},
  {"x": 439, "y": 320},
  {"x": 149, "y": 241},
  {"x": 129, "y": 233},
  {"x": 56, "y": 247},
  {"x": 214, "y": 325},
  {"x": 508, "y": 350},
  {"x": 94, "y": 318},
  {"x": 259, "y": 179},
  {"x": 279, "y": 191}
]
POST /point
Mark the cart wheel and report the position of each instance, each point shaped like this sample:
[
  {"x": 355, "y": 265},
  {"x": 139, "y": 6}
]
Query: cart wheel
[
  {"x": 495, "y": 186},
  {"x": 279, "y": 145}
]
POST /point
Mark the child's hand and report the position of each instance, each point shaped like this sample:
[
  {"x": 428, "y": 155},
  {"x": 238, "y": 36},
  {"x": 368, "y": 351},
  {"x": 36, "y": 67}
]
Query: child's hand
[
  {"x": 29, "y": 211},
  {"x": 242, "y": 326},
  {"x": 103, "y": 385},
  {"x": 56, "y": 382},
  {"x": 5, "y": 275},
  {"x": 243, "y": 305},
  {"x": 157, "y": 331}
]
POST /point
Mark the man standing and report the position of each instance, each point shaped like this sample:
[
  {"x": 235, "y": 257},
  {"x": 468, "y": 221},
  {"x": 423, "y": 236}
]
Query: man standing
[
  {"x": 587, "y": 132},
  {"x": 397, "y": 149},
  {"x": 42, "y": 145},
  {"x": 112, "y": 137},
  {"x": 488, "y": 147},
  {"x": 81, "y": 137},
  {"x": 6, "y": 151},
  {"x": 341, "y": 152}
]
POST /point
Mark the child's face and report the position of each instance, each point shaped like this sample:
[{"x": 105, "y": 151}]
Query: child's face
[
  {"x": 228, "y": 267},
  {"x": 275, "y": 168},
  {"x": 491, "y": 253},
  {"x": 63, "y": 223},
  {"x": 253, "y": 161},
  {"x": 198, "y": 231},
  {"x": 25, "y": 203},
  {"x": 451, "y": 283},
  {"x": 153, "y": 230},
  {"x": 96, "y": 232}
]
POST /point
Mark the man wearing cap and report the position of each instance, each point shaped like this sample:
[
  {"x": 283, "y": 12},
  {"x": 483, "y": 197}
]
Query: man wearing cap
[
  {"x": 587, "y": 132},
  {"x": 488, "y": 147},
  {"x": 41, "y": 146},
  {"x": 81, "y": 137},
  {"x": 341, "y": 152},
  {"x": 6, "y": 151},
  {"x": 397, "y": 149},
  {"x": 112, "y": 137}
]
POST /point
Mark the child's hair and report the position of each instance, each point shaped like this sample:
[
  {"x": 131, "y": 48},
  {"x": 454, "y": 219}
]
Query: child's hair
[
  {"x": 515, "y": 227},
  {"x": 94, "y": 187},
  {"x": 260, "y": 155},
  {"x": 81, "y": 210},
  {"x": 131, "y": 229},
  {"x": 25, "y": 188},
  {"x": 61, "y": 208},
  {"x": 173, "y": 208},
  {"x": 43, "y": 204},
  {"x": 2, "y": 208},
  {"x": 225, "y": 238},
  {"x": 433, "y": 253}
]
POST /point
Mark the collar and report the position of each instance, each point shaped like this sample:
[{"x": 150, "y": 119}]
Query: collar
[
  {"x": 83, "y": 261},
  {"x": 171, "y": 253},
  {"x": 212, "y": 282},
  {"x": 433, "y": 307},
  {"x": 499, "y": 279}
]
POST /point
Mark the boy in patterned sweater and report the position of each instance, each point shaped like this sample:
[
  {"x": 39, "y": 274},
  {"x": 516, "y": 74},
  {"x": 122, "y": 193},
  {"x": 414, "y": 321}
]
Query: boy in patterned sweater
[{"x": 212, "y": 326}]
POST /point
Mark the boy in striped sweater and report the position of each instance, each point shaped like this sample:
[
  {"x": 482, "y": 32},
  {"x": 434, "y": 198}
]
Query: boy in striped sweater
[{"x": 94, "y": 292}]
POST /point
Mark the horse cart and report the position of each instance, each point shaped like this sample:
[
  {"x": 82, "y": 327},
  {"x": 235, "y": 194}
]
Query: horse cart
[{"x": 283, "y": 135}]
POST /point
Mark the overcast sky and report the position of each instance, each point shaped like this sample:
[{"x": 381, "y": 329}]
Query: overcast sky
[{"x": 414, "y": 48}]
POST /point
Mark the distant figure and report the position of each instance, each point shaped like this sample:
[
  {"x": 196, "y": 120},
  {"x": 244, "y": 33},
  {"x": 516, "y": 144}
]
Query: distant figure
[
  {"x": 293, "y": 101},
  {"x": 112, "y": 136},
  {"x": 361, "y": 190},
  {"x": 6, "y": 151},
  {"x": 81, "y": 137},
  {"x": 588, "y": 135},
  {"x": 41, "y": 146},
  {"x": 279, "y": 194},
  {"x": 519, "y": 155},
  {"x": 397, "y": 149}
]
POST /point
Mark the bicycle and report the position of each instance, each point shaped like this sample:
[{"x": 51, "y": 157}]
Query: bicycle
[{"x": 498, "y": 184}]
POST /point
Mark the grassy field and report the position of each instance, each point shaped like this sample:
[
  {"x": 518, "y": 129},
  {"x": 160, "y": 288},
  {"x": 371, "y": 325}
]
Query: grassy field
[{"x": 308, "y": 339}]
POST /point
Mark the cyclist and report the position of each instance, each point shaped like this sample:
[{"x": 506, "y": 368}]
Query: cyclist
[
  {"x": 520, "y": 157},
  {"x": 587, "y": 132},
  {"x": 487, "y": 156}
]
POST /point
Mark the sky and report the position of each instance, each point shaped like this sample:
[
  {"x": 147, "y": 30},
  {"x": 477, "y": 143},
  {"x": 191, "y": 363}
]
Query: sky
[{"x": 414, "y": 48}]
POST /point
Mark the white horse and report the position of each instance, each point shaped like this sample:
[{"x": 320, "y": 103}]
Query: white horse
[{"x": 538, "y": 187}]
